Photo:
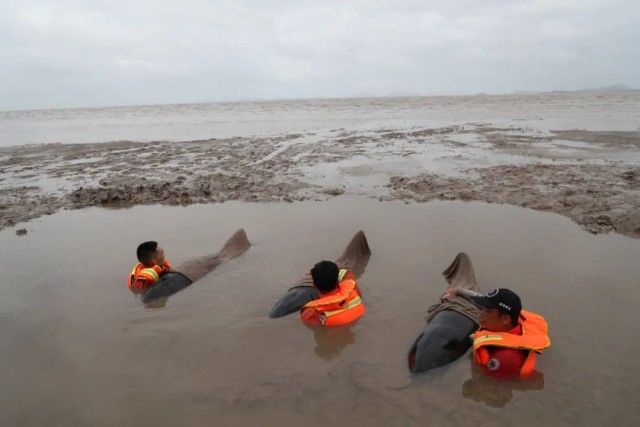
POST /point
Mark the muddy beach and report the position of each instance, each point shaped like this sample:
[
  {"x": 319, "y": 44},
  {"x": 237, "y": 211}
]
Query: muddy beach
[
  {"x": 592, "y": 177},
  {"x": 561, "y": 177}
]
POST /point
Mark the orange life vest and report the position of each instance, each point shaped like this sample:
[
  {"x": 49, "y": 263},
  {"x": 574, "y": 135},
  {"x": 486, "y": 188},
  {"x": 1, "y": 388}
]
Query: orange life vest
[
  {"x": 534, "y": 339},
  {"x": 340, "y": 306},
  {"x": 150, "y": 274}
]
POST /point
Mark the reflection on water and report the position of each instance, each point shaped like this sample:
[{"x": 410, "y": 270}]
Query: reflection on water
[
  {"x": 156, "y": 303},
  {"x": 496, "y": 392},
  {"x": 331, "y": 341}
]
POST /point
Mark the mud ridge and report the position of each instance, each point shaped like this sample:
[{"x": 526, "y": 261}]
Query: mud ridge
[{"x": 599, "y": 198}]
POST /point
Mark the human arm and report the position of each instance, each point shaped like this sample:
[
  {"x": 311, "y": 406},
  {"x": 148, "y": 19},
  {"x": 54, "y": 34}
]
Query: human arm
[
  {"x": 311, "y": 316},
  {"x": 453, "y": 292},
  {"x": 139, "y": 285}
]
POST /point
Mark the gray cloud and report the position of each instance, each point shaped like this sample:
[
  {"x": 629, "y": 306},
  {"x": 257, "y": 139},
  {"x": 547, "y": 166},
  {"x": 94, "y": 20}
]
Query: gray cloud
[{"x": 70, "y": 53}]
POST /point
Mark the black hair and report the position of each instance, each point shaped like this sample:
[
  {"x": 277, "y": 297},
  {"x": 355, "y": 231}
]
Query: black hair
[
  {"x": 325, "y": 276},
  {"x": 146, "y": 251}
]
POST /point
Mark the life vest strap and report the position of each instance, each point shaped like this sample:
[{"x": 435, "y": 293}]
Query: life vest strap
[
  {"x": 533, "y": 338},
  {"x": 345, "y": 288},
  {"x": 151, "y": 274},
  {"x": 351, "y": 304}
]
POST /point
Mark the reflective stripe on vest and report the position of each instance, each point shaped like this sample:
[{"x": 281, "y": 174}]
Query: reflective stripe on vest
[
  {"x": 337, "y": 296},
  {"x": 534, "y": 335},
  {"x": 151, "y": 274},
  {"x": 534, "y": 338},
  {"x": 354, "y": 302},
  {"x": 343, "y": 305}
]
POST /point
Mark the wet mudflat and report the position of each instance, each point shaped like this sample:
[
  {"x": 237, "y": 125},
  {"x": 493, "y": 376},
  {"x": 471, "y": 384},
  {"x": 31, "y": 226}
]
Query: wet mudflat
[
  {"x": 574, "y": 154},
  {"x": 78, "y": 349}
]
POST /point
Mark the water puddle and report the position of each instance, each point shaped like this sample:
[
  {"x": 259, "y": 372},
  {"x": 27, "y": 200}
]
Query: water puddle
[{"x": 78, "y": 348}]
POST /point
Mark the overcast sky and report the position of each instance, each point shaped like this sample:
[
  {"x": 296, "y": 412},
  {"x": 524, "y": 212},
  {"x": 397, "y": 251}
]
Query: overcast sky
[{"x": 94, "y": 53}]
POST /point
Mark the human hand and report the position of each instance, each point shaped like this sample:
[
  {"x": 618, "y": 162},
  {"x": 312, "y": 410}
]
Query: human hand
[{"x": 449, "y": 293}]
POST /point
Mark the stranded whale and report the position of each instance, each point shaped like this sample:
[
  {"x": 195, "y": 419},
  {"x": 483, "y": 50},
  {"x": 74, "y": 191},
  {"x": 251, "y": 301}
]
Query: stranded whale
[
  {"x": 446, "y": 336},
  {"x": 191, "y": 270},
  {"x": 354, "y": 258}
]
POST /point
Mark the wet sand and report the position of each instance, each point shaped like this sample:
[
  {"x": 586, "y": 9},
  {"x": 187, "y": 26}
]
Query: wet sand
[
  {"x": 592, "y": 177},
  {"x": 78, "y": 348}
]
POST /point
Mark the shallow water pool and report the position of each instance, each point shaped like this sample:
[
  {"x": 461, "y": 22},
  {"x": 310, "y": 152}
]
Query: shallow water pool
[{"x": 78, "y": 349}]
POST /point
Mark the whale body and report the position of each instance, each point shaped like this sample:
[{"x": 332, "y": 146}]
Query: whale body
[
  {"x": 294, "y": 300},
  {"x": 450, "y": 323},
  {"x": 194, "y": 269},
  {"x": 168, "y": 284},
  {"x": 444, "y": 339}
]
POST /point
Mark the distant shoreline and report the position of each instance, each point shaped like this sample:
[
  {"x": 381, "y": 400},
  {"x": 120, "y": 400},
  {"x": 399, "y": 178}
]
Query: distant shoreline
[{"x": 604, "y": 89}]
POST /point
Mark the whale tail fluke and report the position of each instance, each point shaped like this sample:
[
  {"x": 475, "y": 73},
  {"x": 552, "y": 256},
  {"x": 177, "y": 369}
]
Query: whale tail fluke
[
  {"x": 460, "y": 273},
  {"x": 236, "y": 245},
  {"x": 356, "y": 254}
]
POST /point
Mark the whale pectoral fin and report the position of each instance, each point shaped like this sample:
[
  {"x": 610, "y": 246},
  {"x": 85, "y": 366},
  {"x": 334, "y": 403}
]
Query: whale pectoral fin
[{"x": 460, "y": 273}]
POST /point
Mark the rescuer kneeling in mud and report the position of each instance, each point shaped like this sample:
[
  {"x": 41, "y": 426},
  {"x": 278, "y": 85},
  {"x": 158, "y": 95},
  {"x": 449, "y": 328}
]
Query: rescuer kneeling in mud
[
  {"x": 509, "y": 337},
  {"x": 340, "y": 302}
]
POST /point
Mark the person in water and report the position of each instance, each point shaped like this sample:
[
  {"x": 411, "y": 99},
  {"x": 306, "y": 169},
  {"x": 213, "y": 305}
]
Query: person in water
[
  {"x": 340, "y": 302},
  {"x": 509, "y": 337},
  {"x": 150, "y": 267},
  {"x": 152, "y": 263}
]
